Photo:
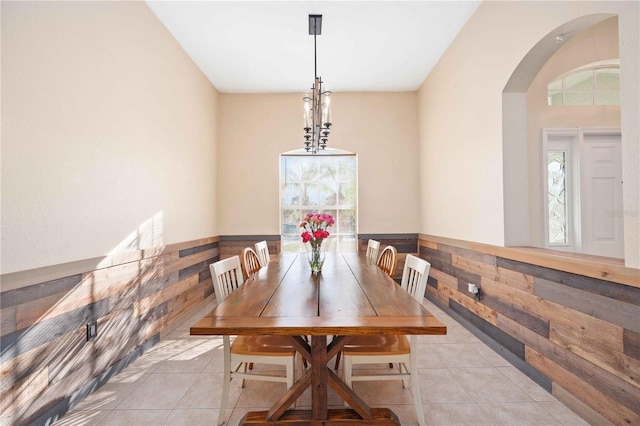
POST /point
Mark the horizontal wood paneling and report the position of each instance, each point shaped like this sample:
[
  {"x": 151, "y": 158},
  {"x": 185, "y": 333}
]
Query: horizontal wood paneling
[
  {"x": 580, "y": 331},
  {"x": 47, "y": 364},
  {"x": 592, "y": 285},
  {"x": 586, "y": 392},
  {"x": 514, "y": 345},
  {"x": 41, "y": 332},
  {"x": 631, "y": 343},
  {"x": 404, "y": 243},
  {"x": 232, "y": 245},
  {"x": 611, "y": 270},
  {"x": 624, "y": 314},
  {"x": 18, "y": 296},
  {"x": 532, "y": 321}
]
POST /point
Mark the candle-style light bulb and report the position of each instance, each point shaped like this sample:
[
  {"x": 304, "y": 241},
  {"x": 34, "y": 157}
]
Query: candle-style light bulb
[
  {"x": 327, "y": 108},
  {"x": 307, "y": 110}
]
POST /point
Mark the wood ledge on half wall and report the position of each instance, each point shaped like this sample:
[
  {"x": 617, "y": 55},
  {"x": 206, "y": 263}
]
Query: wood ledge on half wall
[
  {"x": 602, "y": 268},
  {"x": 19, "y": 279},
  {"x": 607, "y": 269}
]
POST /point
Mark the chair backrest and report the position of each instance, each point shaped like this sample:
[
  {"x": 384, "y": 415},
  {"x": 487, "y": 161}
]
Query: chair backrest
[
  {"x": 414, "y": 276},
  {"x": 227, "y": 276},
  {"x": 262, "y": 250},
  {"x": 372, "y": 249},
  {"x": 388, "y": 260},
  {"x": 250, "y": 262}
]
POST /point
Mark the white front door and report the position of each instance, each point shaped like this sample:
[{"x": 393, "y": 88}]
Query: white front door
[
  {"x": 582, "y": 197},
  {"x": 601, "y": 193}
]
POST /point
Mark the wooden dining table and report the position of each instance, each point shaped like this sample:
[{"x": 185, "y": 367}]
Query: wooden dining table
[{"x": 351, "y": 296}]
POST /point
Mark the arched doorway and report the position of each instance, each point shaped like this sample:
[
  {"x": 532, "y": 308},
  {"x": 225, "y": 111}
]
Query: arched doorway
[{"x": 526, "y": 214}]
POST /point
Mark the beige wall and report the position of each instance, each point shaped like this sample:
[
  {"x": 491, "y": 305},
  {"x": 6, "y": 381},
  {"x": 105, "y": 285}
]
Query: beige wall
[
  {"x": 460, "y": 117},
  {"x": 109, "y": 131},
  {"x": 379, "y": 127},
  {"x": 108, "y": 134},
  {"x": 595, "y": 44}
]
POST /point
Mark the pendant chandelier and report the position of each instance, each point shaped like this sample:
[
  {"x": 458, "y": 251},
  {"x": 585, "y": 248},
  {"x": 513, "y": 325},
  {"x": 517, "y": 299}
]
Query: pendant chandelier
[{"x": 317, "y": 103}]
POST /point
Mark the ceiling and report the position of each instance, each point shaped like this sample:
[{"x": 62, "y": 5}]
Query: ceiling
[{"x": 265, "y": 46}]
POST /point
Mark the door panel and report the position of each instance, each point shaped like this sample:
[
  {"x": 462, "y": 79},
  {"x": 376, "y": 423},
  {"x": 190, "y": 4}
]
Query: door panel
[{"x": 601, "y": 195}]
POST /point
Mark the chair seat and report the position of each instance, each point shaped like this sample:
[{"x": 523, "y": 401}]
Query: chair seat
[
  {"x": 227, "y": 277},
  {"x": 262, "y": 345},
  {"x": 391, "y": 348},
  {"x": 375, "y": 345}
]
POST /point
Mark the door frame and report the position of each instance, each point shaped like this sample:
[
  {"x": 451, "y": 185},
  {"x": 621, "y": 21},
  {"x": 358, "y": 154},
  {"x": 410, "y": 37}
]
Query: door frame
[{"x": 572, "y": 142}]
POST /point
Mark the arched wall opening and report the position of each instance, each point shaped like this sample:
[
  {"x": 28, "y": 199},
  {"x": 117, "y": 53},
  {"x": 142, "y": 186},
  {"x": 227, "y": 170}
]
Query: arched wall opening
[{"x": 588, "y": 39}]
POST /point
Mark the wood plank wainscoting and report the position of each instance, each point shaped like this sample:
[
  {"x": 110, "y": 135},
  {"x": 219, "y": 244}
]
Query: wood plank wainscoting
[
  {"x": 48, "y": 366},
  {"x": 232, "y": 245},
  {"x": 571, "y": 323},
  {"x": 404, "y": 244}
]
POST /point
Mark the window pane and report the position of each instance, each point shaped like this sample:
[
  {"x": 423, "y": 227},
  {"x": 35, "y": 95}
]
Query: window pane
[
  {"x": 555, "y": 85},
  {"x": 554, "y": 97},
  {"x": 291, "y": 170},
  {"x": 347, "y": 222},
  {"x": 595, "y": 86},
  {"x": 608, "y": 78},
  {"x": 291, "y": 194},
  {"x": 328, "y": 191},
  {"x": 327, "y": 170},
  {"x": 309, "y": 194},
  {"x": 556, "y": 166},
  {"x": 607, "y": 98},
  {"x": 347, "y": 194},
  {"x": 291, "y": 243},
  {"x": 290, "y": 222},
  {"x": 582, "y": 80},
  {"x": 346, "y": 169},
  {"x": 578, "y": 98},
  {"x": 308, "y": 169}
]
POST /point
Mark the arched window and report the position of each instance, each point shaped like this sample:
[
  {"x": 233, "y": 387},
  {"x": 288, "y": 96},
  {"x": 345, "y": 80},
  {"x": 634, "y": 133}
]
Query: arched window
[
  {"x": 594, "y": 85},
  {"x": 320, "y": 183}
]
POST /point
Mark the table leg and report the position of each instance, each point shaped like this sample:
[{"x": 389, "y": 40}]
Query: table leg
[
  {"x": 289, "y": 397},
  {"x": 319, "y": 377},
  {"x": 351, "y": 398}
]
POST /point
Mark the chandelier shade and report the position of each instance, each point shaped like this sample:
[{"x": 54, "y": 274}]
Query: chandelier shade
[{"x": 317, "y": 102}]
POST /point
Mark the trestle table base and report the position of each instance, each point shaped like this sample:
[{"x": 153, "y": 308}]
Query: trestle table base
[
  {"x": 380, "y": 416},
  {"x": 319, "y": 377}
]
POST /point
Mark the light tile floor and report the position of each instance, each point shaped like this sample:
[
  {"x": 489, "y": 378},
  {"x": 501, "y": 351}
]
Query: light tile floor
[{"x": 462, "y": 382}]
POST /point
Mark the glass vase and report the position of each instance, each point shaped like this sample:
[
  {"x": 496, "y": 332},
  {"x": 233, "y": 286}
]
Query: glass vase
[{"x": 315, "y": 256}]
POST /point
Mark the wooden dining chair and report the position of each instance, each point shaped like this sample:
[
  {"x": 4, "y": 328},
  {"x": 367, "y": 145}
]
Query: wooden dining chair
[
  {"x": 388, "y": 260},
  {"x": 227, "y": 277},
  {"x": 250, "y": 265},
  {"x": 372, "y": 250},
  {"x": 250, "y": 262},
  {"x": 262, "y": 249},
  {"x": 371, "y": 349}
]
